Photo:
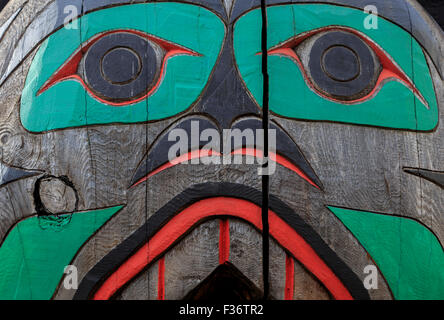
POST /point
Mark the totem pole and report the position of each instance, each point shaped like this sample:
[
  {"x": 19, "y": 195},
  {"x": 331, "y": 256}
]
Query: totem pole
[{"x": 133, "y": 139}]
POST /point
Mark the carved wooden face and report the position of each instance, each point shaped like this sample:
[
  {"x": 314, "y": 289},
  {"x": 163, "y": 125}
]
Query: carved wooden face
[{"x": 92, "y": 91}]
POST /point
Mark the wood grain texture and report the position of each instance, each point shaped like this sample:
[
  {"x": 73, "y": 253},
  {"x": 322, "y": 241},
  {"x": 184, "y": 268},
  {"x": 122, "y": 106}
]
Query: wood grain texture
[
  {"x": 431, "y": 156},
  {"x": 359, "y": 167},
  {"x": 306, "y": 287},
  {"x": 144, "y": 287},
  {"x": 192, "y": 259}
]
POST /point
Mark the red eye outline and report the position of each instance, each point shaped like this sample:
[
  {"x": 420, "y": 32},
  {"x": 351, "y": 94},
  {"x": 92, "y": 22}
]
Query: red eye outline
[
  {"x": 68, "y": 71},
  {"x": 390, "y": 72}
]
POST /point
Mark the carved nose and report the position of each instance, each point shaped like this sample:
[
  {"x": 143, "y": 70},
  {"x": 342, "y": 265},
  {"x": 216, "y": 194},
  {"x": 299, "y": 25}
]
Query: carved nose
[{"x": 225, "y": 98}]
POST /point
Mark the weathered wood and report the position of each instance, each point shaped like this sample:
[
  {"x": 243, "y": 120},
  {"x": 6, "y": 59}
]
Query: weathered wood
[{"x": 356, "y": 165}]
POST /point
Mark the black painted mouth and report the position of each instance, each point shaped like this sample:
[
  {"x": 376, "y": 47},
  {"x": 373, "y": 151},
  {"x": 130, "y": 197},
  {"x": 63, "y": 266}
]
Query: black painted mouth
[{"x": 287, "y": 152}]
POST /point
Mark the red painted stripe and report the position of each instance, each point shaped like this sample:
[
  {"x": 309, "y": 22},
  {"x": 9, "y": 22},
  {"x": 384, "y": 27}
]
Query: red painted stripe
[
  {"x": 224, "y": 241},
  {"x": 283, "y": 161},
  {"x": 202, "y": 153},
  {"x": 286, "y": 236},
  {"x": 161, "y": 280},
  {"x": 289, "y": 278}
]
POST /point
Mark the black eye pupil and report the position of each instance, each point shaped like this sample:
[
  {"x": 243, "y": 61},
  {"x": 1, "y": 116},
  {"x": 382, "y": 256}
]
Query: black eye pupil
[
  {"x": 121, "y": 65},
  {"x": 343, "y": 66},
  {"x": 340, "y": 63}
]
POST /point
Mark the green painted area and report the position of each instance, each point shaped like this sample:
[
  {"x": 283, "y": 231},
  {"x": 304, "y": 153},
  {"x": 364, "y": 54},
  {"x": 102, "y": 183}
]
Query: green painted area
[
  {"x": 394, "y": 106},
  {"x": 408, "y": 254},
  {"x": 37, "y": 250},
  {"x": 67, "y": 104}
]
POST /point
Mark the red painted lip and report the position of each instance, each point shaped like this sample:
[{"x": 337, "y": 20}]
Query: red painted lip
[
  {"x": 221, "y": 207},
  {"x": 257, "y": 153}
]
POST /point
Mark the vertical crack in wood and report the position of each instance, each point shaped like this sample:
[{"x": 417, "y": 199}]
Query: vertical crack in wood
[
  {"x": 161, "y": 270},
  {"x": 265, "y": 176}
]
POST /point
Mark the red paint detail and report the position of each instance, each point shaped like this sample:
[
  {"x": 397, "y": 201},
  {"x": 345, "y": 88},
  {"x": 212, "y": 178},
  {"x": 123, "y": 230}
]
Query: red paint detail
[
  {"x": 184, "y": 221},
  {"x": 161, "y": 280},
  {"x": 244, "y": 151},
  {"x": 289, "y": 278},
  {"x": 69, "y": 70},
  {"x": 224, "y": 241},
  {"x": 202, "y": 153},
  {"x": 390, "y": 70},
  {"x": 276, "y": 158}
]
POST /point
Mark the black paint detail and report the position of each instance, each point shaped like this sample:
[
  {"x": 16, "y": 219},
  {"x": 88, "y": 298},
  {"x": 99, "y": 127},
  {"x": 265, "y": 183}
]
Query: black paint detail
[
  {"x": 121, "y": 66},
  {"x": 228, "y": 5},
  {"x": 285, "y": 146},
  {"x": 61, "y": 7},
  {"x": 40, "y": 208},
  {"x": 399, "y": 12},
  {"x": 95, "y": 277},
  {"x": 90, "y": 5},
  {"x": 225, "y": 98},
  {"x": 342, "y": 66},
  {"x": 243, "y": 6},
  {"x": 436, "y": 9},
  {"x": 3, "y": 4},
  {"x": 436, "y": 177},
  {"x": 225, "y": 283},
  {"x": 340, "y": 63},
  {"x": 158, "y": 154},
  {"x": 265, "y": 177},
  {"x": 11, "y": 174}
]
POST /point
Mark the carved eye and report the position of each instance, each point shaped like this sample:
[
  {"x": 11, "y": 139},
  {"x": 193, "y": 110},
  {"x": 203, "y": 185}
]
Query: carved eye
[
  {"x": 118, "y": 67},
  {"x": 343, "y": 65}
]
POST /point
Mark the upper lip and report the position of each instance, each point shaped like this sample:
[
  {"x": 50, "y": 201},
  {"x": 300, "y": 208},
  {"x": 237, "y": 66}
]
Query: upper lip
[{"x": 287, "y": 152}]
